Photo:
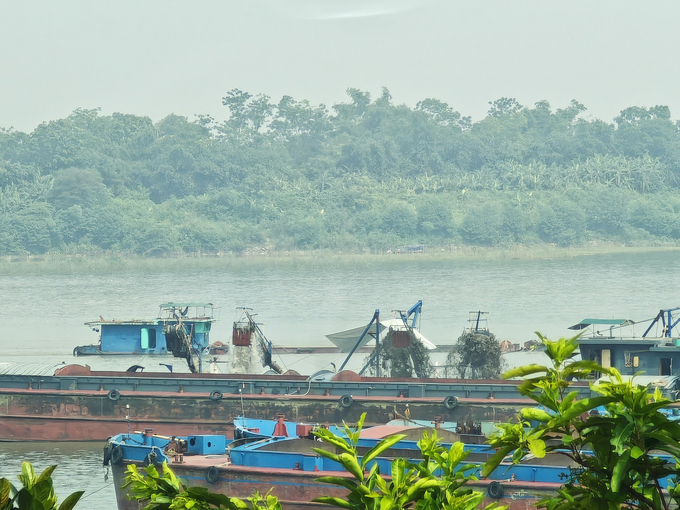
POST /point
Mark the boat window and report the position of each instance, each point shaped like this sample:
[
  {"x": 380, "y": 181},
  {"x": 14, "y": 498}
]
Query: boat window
[
  {"x": 148, "y": 338},
  {"x": 202, "y": 327},
  {"x": 627, "y": 359},
  {"x": 595, "y": 355},
  {"x": 665, "y": 365}
]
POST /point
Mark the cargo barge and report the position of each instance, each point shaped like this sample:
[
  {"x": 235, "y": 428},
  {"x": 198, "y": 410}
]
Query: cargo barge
[
  {"x": 288, "y": 465},
  {"x": 77, "y": 404}
]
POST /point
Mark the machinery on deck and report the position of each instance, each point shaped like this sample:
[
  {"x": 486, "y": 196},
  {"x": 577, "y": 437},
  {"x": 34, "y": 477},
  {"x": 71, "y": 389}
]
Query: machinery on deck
[
  {"x": 247, "y": 332},
  {"x": 403, "y": 331},
  {"x": 186, "y": 327}
]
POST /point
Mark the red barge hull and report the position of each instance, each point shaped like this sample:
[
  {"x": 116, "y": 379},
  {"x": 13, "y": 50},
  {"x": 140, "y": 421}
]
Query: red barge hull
[
  {"x": 79, "y": 405},
  {"x": 43, "y": 415},
  {"x": 297, "y": 489}
]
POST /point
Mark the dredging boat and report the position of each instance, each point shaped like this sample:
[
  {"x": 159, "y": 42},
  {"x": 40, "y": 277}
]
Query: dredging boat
[
  {"x": 177, "y": 325},
  {"x": 74, "y": 403}
]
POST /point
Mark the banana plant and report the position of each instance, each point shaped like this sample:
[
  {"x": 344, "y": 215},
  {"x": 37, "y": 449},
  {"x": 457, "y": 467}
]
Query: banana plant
[
  {"x": 37, "y": 492},
  {"x": 616, "y": 454},
  {"x": 436, "y": 482}
]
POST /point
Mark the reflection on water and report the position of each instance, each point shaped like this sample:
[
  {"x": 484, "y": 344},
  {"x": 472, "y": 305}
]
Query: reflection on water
[{"x": 79, "y": 467}]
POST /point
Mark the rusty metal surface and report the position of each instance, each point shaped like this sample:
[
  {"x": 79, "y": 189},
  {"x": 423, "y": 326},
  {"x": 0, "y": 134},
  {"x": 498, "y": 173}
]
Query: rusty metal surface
[
  {"x": 88, "y": 416},
  {"x": 82, "y": 378},
  {"x": 296, "y": 489},
  {"x": 81, "y": 405},
  {"x": 32, "y": 369}
]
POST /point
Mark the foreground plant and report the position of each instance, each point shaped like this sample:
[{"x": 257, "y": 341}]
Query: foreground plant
[
  {"x": 37, "y": 492},
  {"x": 167, "y": 492},
  {"x": 623, "y": 457},
  {"x": 436, "y": 482}
]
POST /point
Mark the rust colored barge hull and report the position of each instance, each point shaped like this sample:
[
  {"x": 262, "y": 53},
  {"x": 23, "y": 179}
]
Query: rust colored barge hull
[
  {"x": 77, "y": 404},
  {"x": 297, "y": 489},
  {"x": 45, "y": 415}
]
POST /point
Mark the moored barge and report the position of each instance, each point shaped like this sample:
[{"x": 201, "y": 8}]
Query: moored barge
[{"x": 77, "y": 404}]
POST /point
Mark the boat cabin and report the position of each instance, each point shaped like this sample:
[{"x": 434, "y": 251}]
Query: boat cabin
[
  {"x": 178, "y": 326},
  {"x": 613, "y": 344}
]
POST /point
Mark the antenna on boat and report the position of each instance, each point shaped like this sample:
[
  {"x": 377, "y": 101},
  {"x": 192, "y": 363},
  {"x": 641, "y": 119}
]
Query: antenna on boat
[
  {"x": 127, "y": 416},
  {"x": 243, "y": 412}
]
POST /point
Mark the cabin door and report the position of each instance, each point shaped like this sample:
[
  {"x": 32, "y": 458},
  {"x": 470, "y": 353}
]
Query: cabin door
[
  {"x": 665, "y": 366},
  {"x": 606, "y": 358},
  {"x": 148, "y": 340}
]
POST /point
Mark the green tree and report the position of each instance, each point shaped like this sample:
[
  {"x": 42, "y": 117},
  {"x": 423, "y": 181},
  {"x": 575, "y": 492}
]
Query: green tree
[
  {"x": 36, "y": 493},
  {"x": 656, "y": 217},
  {"x": 563, "y": 223},
  {"x": 641, "y": 131},
  {"x": 167, "y": 492},
  {"x": 35, "y": 228},
  {"x": 616, "y": 452},
  {"x": 247, "y": 114},
  {"x": 504, "y": 106},
  {"x": 384, "y": 173},
  {"x": 400, "y": 218},
  {"x": 483, "y": 225},
  {"x": 76, "y": 186},
  {"x": 439, "y": 111},
  {"x": 437, "y": 482}
]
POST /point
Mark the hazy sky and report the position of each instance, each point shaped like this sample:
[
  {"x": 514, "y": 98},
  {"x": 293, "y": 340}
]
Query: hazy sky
[{"x": 167, "y": 56}]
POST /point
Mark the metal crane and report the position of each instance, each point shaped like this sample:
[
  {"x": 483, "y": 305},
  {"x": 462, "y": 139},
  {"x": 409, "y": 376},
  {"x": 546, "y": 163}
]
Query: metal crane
[
  {"x": 666, "y": 318},
  {"x": 264, "y": 345}
]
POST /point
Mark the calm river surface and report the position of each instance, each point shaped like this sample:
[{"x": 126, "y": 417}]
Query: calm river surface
[{"x": 43, "y": 315}]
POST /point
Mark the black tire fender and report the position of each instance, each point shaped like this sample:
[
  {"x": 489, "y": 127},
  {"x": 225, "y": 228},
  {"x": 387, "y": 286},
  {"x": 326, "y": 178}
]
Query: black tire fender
[
  {"x": 451, "y": 402},
  {"x": 116, "y": 455},
  {"x": 107, "y": 455},
  {"x": 114, "y": 395},
  {"x": 346, "y": 401},
  {"x": 495, "y": 490},
  {"x": 215, "y": 395},
  {"x": 212, "y": 474}
]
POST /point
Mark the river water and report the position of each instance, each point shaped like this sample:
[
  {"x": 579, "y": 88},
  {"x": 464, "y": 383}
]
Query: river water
[{"x": 44, "y": 315}]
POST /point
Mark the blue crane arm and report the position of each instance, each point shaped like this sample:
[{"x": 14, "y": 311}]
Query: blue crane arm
[
  {"x": 666, "y": 317},
  {"x": 415, "y": 311},
  {"x": 654, "y": 321},
  {"x": 376, "y": 319}
]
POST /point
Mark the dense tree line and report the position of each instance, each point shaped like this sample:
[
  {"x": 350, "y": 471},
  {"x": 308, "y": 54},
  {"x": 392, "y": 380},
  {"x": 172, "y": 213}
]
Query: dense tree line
[{"x": 367, "y": 173}]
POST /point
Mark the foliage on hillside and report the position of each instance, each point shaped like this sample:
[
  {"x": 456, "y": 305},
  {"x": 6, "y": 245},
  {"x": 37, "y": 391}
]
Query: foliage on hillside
[{"x": 365, "y": 174}]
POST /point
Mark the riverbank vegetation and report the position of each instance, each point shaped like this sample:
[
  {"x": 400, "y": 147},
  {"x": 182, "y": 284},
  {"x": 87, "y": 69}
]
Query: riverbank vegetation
[
  {"x": 60, "y": 263},
  {"x": 365, "y": 176}
]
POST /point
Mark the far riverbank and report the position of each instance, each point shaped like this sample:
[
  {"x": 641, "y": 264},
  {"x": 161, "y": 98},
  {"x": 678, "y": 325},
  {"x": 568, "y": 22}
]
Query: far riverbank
[{"x": 57, "y": 263}]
